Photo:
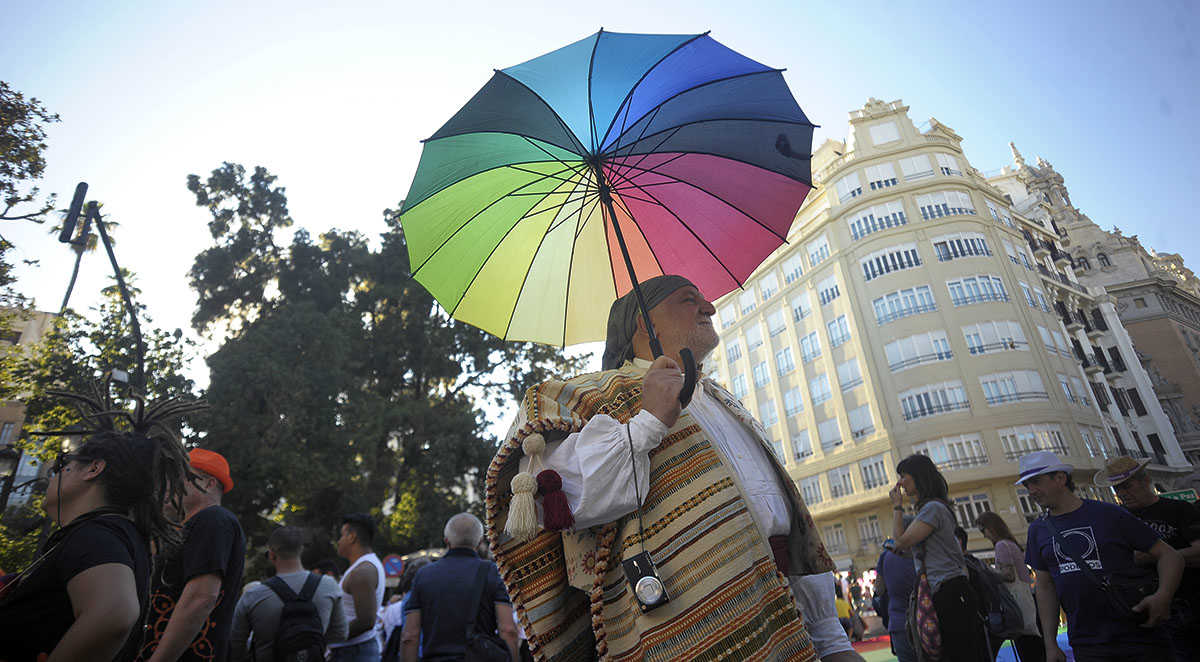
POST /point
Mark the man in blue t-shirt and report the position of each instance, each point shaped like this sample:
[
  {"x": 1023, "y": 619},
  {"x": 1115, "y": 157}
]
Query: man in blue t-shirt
[{"x": 1103, "y": 536}]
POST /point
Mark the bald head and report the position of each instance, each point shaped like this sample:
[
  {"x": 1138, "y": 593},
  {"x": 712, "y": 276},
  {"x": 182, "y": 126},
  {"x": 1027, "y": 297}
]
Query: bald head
[{"x": 463, "y": 530}]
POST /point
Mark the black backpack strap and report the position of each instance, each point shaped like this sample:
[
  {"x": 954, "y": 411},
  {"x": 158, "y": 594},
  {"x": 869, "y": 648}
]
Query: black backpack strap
[
  {"x": 477, "y": 588},
  {"x": 310, "y": 587},
  {"x": 281, "y": 589}
]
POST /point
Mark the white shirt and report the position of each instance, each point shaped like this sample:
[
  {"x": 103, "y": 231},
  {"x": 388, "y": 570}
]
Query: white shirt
[
  {"x": 597, "y": 473},
  {"x": 348, "y": 600}
]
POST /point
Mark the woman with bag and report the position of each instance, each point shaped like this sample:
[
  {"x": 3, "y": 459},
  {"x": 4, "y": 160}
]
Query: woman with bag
[
  {"x": 1010, "y": 564},
  {"x": 946, "y": 610}
]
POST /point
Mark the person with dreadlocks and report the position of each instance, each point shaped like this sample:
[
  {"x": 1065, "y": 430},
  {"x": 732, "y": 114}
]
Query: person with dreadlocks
[{"x": 84, "y": 597}]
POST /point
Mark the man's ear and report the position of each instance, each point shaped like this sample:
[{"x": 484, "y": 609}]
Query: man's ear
[{"x": 94, "y": 469}]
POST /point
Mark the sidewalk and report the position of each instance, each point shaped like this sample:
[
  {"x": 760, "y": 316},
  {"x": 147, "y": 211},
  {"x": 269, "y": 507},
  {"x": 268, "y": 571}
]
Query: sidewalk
[{"x": 879, "y": 649}]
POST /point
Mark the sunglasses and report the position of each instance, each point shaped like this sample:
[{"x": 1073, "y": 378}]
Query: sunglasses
[{"x": 63, "y": 459}]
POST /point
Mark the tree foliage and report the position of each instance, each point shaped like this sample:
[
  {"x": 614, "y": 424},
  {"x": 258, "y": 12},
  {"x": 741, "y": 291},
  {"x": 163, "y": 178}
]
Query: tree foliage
[
  {"x": 23, "y": 124},
  {"x": 342, "y": 386}
]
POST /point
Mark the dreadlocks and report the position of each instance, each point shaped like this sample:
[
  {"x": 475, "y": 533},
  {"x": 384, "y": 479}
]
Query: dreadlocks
[{"x": 146, "y": 466}]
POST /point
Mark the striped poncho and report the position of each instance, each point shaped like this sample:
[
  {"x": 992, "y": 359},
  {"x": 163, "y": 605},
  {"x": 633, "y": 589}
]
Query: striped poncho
[{"x": 728, "y": 600}]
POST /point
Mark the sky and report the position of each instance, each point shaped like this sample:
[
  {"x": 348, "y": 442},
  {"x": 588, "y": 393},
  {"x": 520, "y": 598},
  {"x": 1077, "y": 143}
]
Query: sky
[{"x": 335, "y": 99}]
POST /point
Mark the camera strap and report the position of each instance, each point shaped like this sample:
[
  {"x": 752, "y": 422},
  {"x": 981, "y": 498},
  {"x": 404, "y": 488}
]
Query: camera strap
[{"x": 636, "y": 491}]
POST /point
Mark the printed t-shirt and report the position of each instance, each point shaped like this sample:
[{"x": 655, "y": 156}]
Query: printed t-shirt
[
  {"x": 212, "y": 543},
  {"x": 36, "y": 613},
  {"x": 942, "y": 554},
  {"x": 1177, "y": 523},
  {"x": 443, "y": 591},
  {"x": 1104, "y": 536}
]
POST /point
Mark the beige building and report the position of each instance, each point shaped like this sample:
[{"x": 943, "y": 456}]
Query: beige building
[
  {"x": 915, "y": 310},
  {"x": 1157, "y": 297},
  {"x": 25, "y": 329}
]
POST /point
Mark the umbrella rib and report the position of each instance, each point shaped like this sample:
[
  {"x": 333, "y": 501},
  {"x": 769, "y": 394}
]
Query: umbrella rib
[
  {"x": 571, "y": 261},
  {"x": 535, "y": 172},
  {"x": 458, "y": 134},
  {"x": 647, "y": 155},
  {"x": 704, "y": 191},
  {"x": 641, "y": 135},
  {"x": 582, "y": 150},
  {"x": 525, "y": 278},
  {"x": 473, "y": 217},
  {"x": 537, "y": 146},
  {"x": 713, "y": 82},
  {"x": 653, "y": 150},
  {"x": 642, "y": 79},
  {"x": 591, "y": 111},
  {"x": 491, "y": 253},
  {"x": 686, "y": 227},
  {"x": 583, "y": 202}
]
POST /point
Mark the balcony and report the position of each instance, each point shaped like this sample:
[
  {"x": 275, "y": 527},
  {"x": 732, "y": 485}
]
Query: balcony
[
  {"x": 1018, "y": 396},
  {"x": 1072, "y": 323},
  {"x": 951, "y": 464},
  {"x": 1040, "y": 248},
  {"x": 1013, "y": 454},
  {"x": 1060, "y": 258},
  {"x": 1098, "y": 320},
  {"x": 934, "y": 409},
  {"x": 1091, "y": 367}
]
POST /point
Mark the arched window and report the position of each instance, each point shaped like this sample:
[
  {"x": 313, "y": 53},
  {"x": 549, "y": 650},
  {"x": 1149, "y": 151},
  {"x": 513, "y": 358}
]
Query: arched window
[
  {"x": 1103, "y": 260},
  {"x": 1082, "y": 264}
]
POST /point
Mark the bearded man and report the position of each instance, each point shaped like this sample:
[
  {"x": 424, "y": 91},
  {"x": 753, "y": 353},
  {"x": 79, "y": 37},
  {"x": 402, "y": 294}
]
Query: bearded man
[{"x": 720, "y": 524}]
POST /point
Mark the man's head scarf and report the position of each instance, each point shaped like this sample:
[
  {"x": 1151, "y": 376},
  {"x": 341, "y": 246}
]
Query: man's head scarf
[{"x": 622, "y": 317}]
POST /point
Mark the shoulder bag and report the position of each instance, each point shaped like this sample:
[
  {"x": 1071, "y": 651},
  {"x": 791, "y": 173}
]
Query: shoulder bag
[
  {"x": 482, "y": 646},
  {"x": 923, "y": 627},
  {"x": 1123, "y": 591}
]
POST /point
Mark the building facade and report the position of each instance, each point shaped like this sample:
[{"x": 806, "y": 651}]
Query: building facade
[
  {"x": 913, "y": 309},
  {"x": 25, "y": 328},
  {"x": 1157, "y": 298}
]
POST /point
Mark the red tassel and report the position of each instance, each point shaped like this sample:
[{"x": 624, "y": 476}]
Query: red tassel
[{"x": 556, "y": 514}]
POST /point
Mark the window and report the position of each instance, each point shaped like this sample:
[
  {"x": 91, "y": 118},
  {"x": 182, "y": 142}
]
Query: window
[
  {"x": 777, "y": 449},
  {"x": 6, "y": 433},
  {"x": 884, "y": 132},
  {"x": 945, "y": 203},
  {"x": 933, "y": 399},
  {"x": 881, "y": 176},
  {"x": 916, "y": 167},
  {"x": 967, "y": 509},
  {"x": 739, "y": 386},
  {"x": 976, "y": 289},
  {"x": 769, "y": 285},
  {"x": 1139, "y": 303},
  {"x": 840, "y": 482},
  {"x": 1018, "y": 441},
  {"x": 964, "y": 244},
  {"x": 1013, "y": 256},
  {"x": 1080, "y": 393},
  {"x": 874, "y": 472},
  {"x": 767, "y": 414},
  {"x": 1065, "y": 384},
  {"x": 827, "y": 290},
  {"x": 818, "y": 389},
  {"x": 733, "y": 352},
  {"x": 754, "y": 337},
  {"x": 775, "y": 323},
  {"x": 1082, "y": 264},
  {"x": 793, "y": 268},
  {"x": 762, "y": 376},
  {"x": 829, "y": 434},
  {"x": 835, "y": 537},
  {"x": 869, "y": 532},
  {"x": 1041, "y": 300},
  {"x": 746, "y": 299},
  {"x": 802, "y": 448},
  {"x": 1095, "y": 448},
  {"x": 849, "y": 375},
  {"x": 894, "y": 258},
  {"x": 917, "y": 350},
  {"x": 1047, "y": 340},
  {"x": 1136, "y": 400},
  {"x": 1029, "y": 508},
  {"x": 784, "y": 362},
  {"x": 1103, "y": 260},
  {"x": 1017, "y": 386},
  {"x": 793, "y": 402},
  {"x": 818, "y": 250},
  {"x": 810, "y": 347},
  {"x": 902, "y": 303},
  {"x": 996, "y": 336},
  {"x": 1028, "y": 294},
  {"x": 1061, "y": 342},
  {"x": 961, "y": 451},
  {"x": 877, "y": 218},
  {"x": 861, "y": 423},
  {"x": 948, "y": 164},
  {"x": 810, "y": 489},
  {"x": 728, "y": 316},
  {"x": 848, "y": 187},
  {"x": 801, "y": 306},
  {"x": 839, "y": 331}
]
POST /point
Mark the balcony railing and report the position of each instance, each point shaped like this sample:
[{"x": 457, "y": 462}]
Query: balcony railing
[
  {"x": 980, "y": 298},
  {"x": 931, "y": 410},
  {"x": 1014, "y": 454},
  {"x": 952, "y": 464},
  {"x": 999, "y": 346},
  {"x": 906, "y": 312},
  {"x": 918, "y": 360},
  {"x": 1019, "y": 396}
]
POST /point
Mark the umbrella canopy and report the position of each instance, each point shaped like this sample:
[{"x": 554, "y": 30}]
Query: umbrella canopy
[{"x": 695, "y": 157}]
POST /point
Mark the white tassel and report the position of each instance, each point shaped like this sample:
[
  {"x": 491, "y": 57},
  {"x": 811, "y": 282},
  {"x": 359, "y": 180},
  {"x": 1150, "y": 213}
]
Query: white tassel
[{"x": 522, "y": 521}]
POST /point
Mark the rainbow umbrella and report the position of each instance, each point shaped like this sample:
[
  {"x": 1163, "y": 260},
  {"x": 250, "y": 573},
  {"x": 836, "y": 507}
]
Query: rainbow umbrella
[{"x": 571, "y": 177}]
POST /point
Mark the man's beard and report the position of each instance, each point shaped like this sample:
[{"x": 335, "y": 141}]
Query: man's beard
[{"x": 702, "y": 341}]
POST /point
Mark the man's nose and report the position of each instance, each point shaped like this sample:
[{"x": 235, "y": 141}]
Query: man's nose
[{"x": 708, "y": 309}]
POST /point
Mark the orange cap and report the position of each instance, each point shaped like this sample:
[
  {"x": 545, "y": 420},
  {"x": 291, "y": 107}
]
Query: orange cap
[{"x": 213, "y": 464}]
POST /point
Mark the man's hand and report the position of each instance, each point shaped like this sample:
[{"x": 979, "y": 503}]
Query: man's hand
[
  {"x": 660, "y": 390},
  {"x": 1159, "y": 606},
  {"x": 1053, "y": 652},
  {"x": 896, "y": 494}
]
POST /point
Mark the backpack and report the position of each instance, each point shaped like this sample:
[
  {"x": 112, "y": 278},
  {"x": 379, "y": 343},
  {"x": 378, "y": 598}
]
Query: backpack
[
  {"x": 299, "y": 637},
  {"x": 998, "y": 608}
]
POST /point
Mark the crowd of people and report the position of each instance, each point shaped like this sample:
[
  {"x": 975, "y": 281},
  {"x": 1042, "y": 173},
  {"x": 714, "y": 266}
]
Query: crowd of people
[{"x": 629, "y": 521}]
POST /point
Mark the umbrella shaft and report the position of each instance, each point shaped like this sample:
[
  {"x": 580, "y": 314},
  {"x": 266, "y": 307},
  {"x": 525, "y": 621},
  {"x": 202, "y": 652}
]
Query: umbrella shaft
[{"x": 606, "y": 200}]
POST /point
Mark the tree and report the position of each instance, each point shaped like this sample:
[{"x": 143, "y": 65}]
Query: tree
[
  {"x": 75, "y": 353},
  {"x": 343, "y": 385},
  {"x": 90, "y": 240},
  {"x": 22, "y": 146}
]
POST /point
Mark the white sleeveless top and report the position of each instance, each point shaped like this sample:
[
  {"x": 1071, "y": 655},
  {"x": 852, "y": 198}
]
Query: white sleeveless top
[{"x": 348, "y": 600}]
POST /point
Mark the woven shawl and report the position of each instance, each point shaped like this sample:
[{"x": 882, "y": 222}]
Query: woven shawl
[{"x": 728, "y": 600}]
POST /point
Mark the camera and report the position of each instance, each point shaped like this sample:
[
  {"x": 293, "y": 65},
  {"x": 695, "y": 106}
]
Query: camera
[{"x": 647, "y": 588}]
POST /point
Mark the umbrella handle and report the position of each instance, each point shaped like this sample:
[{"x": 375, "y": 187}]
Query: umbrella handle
[{"x": 689, "y": 376}]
